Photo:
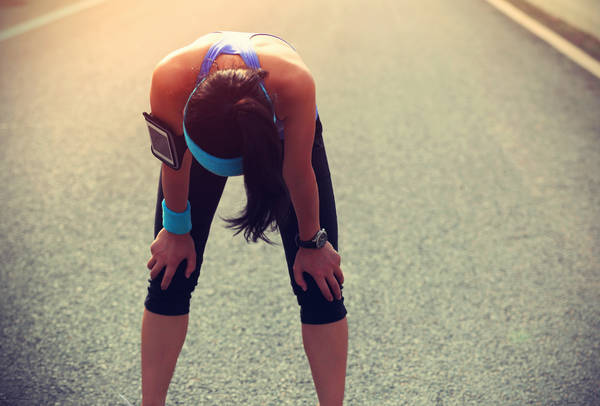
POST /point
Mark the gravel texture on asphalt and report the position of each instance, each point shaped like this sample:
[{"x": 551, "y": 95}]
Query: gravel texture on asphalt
[{"x": 466, "y": 164}]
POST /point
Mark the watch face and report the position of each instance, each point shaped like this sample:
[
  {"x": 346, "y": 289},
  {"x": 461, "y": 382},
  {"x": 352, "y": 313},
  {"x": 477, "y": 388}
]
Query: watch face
[{"x": 321, "y": 239}]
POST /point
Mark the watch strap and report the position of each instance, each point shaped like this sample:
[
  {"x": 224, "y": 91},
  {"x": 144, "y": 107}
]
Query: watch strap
[{"x": 315, "y": 243}]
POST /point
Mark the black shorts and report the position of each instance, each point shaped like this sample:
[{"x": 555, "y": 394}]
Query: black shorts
[{"x": 205, "y": 193}]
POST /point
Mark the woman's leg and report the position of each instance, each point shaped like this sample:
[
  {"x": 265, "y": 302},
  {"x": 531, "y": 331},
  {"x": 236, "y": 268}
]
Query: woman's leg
[
  {"x": 165, "y": 320},
  {"x": 324, "y": 325},
  {"x": 326, "y": 347},
  {"x": 162, "y": 339}
]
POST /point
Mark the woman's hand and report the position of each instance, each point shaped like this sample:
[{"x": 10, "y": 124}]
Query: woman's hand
[
  {"x": 168, "y": 250},
  {"x": 324, "y": 266}
]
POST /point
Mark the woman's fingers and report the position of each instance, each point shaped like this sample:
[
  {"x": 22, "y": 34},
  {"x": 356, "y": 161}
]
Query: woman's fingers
[
  {"x": 151, "y": 263},
  {"x": 166, "y": 281},
  {"x": 325, "y": 288},
  {"x": 324, "y": 266},
  {"x": 191, "y": 265},
  {"x": 299, "y": 278},
  {"x": 339, "y": 275},
  {"x": 155, "y": 270},
  {"x": 168, "y": 251},
  {"x": 336, "y": 289},
  {"x": 167, "y": 277}
]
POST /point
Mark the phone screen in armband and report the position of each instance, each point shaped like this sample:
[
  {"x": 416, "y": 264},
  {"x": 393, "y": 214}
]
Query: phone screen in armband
[{"x": 162, "y": 143}]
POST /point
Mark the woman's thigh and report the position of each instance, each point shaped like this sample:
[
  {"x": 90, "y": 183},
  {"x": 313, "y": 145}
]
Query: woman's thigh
[{"x": 205, "y": 193}]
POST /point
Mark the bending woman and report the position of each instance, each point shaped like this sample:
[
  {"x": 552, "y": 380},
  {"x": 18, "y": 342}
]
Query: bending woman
[{"x": 244, "y": 104}]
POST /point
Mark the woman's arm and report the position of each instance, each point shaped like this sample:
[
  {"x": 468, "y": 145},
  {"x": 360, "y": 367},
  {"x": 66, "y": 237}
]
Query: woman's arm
[
  {"x": 298, "y": 103},
  {"x": 168, "y": 95},
  {"x": 297, "y": 166}
]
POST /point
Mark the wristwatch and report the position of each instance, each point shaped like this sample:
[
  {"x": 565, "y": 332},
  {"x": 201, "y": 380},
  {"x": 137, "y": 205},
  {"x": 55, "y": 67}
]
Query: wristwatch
[{"x": 319, "y": 240}]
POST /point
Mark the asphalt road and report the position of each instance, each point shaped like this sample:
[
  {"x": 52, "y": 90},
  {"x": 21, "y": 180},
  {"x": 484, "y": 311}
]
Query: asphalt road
[{"x": 466, "y": 162}]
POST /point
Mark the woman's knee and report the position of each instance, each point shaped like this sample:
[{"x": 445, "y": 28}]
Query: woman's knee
[{"x": 175, "y": 300}]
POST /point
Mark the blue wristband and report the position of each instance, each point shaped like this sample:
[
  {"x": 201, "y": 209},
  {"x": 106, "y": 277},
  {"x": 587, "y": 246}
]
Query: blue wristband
[{"x": 177, "y": 223}]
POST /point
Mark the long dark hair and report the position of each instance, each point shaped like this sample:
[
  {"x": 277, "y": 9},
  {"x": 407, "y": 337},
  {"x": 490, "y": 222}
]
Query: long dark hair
[{"x": 229, "y": 116}]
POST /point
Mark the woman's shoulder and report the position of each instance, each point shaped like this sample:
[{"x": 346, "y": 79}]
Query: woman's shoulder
[
  {"x": 182, "y": 65},
  {"x": 174, "y": 77},
  {"x": 172, "y": 80},
  {"x": 287, "y": 70},
  {"x": 277, "y": 55}
]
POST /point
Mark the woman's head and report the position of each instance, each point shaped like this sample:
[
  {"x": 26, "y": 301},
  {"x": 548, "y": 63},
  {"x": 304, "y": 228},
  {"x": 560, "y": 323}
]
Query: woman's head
[
  {"x": 222, "y": 102},
  {"x": 230, "y": 116}
]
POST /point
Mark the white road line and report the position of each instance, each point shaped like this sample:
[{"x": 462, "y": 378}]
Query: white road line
[
  {"x": 558, "y": 42},
  {"x": 48, "y": 18}
]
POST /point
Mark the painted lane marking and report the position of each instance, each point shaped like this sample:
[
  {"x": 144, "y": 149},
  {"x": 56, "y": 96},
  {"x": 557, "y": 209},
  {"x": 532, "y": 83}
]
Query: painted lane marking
[
  {"x": 555, "y": 40},
  {"x": 48, "y": 18}
]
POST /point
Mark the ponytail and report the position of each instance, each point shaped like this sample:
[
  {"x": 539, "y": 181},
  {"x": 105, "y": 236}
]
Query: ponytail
[{"x": 266, "y": 191}]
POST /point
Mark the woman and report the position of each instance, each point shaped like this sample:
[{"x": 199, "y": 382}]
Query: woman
[{"x": 248, "y": 106}]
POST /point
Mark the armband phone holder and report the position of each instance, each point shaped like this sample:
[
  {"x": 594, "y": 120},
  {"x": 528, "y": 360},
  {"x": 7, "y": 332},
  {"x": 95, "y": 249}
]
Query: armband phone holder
[{"x": 165, "y": 146}]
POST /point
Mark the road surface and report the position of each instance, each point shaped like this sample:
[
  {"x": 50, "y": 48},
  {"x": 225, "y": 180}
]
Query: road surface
[{"x": 466, "y": 162}]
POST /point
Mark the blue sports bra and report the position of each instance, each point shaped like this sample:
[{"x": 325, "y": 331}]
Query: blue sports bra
[{"x": 237, "y": 43}]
